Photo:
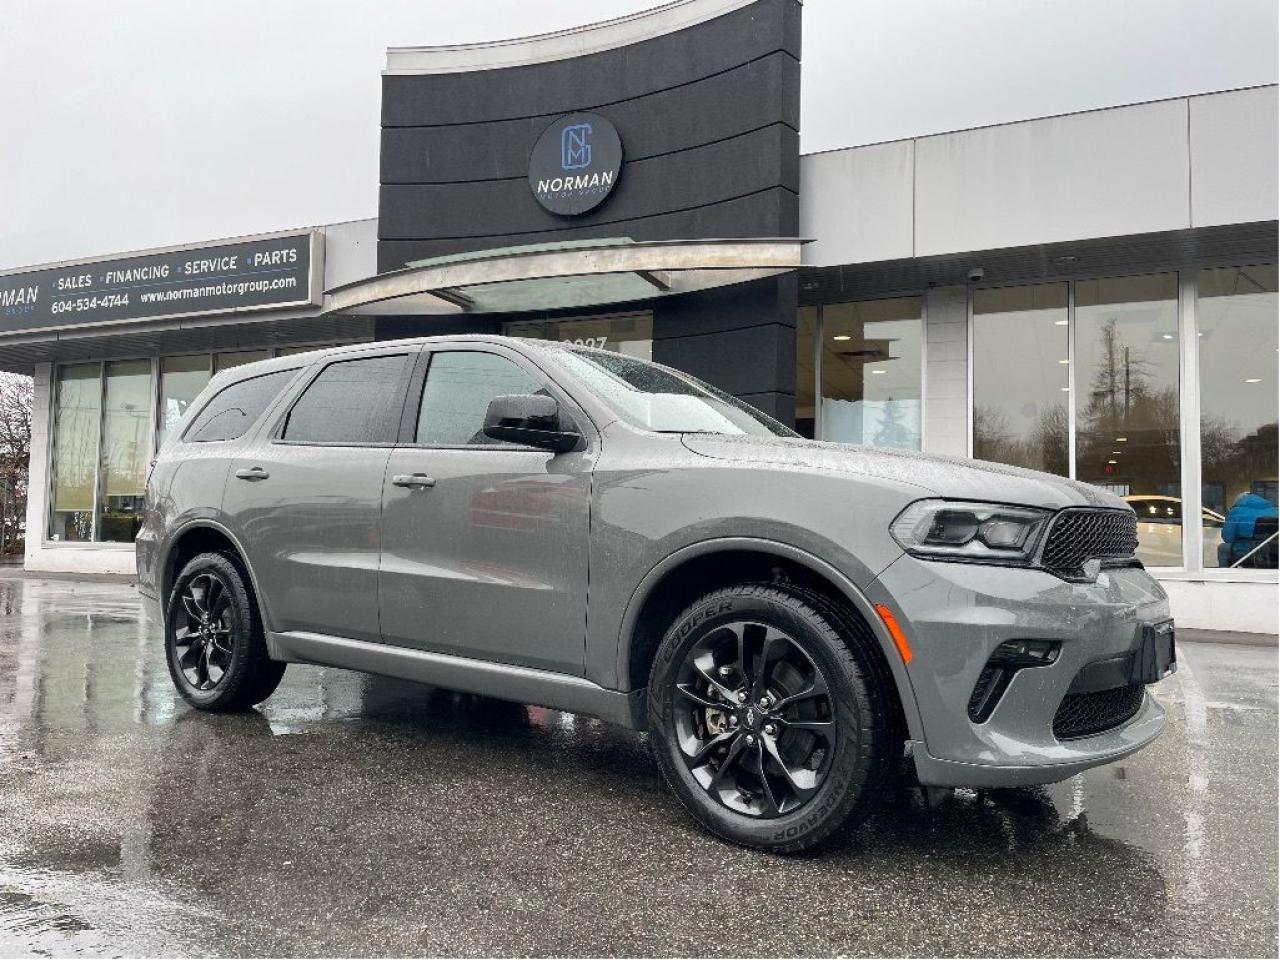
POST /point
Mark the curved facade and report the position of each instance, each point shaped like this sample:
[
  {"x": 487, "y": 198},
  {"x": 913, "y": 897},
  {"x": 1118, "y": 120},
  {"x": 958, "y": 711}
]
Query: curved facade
[{"x": 708, "y": 114}]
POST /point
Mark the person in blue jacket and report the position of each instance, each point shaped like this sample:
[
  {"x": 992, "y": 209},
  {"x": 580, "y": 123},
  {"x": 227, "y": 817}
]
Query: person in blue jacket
[{"x": 1237, "y": 529}]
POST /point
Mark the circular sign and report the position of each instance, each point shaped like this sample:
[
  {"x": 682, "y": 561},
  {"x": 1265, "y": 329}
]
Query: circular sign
[{"x": 575, "y": 163}]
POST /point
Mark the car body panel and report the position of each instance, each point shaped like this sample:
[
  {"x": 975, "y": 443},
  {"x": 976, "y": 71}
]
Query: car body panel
[{"x": 490, "y": 561}]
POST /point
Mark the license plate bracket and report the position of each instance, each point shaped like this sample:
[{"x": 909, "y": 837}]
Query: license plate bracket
[{"x": 1154, "y": 656}]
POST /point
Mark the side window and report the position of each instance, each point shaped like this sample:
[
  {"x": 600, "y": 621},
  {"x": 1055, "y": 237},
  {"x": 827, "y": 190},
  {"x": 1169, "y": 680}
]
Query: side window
[
  {"x": 236, "y": 408},
  {"x": 352, "y": 401},
  {"x": 457, "y": 392}
]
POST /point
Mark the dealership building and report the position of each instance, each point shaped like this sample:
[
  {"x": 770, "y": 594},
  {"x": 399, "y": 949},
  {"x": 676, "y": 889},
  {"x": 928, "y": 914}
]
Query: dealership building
[{"x": 1092, "y": 294}]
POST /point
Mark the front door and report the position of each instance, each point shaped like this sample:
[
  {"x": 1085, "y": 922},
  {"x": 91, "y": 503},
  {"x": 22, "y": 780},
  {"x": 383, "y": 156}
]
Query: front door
[
  {"x": 484, "y": 548},
  {"x": 307, "y": 499}
]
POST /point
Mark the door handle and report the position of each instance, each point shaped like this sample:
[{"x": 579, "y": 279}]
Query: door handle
[
  {"x": 413, "y": 480},
  {"x": 252, "y": 473}
]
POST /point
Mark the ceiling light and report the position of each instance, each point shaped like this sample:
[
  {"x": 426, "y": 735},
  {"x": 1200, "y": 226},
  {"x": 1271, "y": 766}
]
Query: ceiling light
[
  {"x": 1122, "y": 439},
  {"x": 1064, "y": 361},
  {"x": 1167, "y": 336},
  {"x": 1111, "y": 463},
  {"x": 1065, "y": 389},
  {"x": 1253, "y": 380},
  {"x": 1115, "y": 451},
  {"x": 877, "y": 371},
  {"x": 842, "y": 336},
  {"x": 1059, "y": 323}
]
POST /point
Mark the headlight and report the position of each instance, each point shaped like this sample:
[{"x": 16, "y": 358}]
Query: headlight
[{"x": 980, "y": 532}]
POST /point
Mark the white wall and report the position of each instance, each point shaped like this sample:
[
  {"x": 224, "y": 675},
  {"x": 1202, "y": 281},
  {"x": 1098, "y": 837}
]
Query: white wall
[
  {"x": 1234, "y": 157},
  {"x": 1217, "y": 605},
  {"x": 1173, "y": 164},
  {"x": 946, "y": 371}
]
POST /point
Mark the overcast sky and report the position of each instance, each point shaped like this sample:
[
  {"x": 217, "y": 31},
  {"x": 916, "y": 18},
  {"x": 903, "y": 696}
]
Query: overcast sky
[{"x": 139, "y": 123}]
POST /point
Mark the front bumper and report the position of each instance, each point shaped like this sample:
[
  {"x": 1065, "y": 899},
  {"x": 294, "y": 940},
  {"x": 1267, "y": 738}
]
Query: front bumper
[{"x": 956, "y": 615}]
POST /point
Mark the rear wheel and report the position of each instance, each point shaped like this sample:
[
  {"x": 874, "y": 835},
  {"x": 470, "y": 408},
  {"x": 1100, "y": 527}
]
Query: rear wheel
[
  {"x": 771, "y": 716},
  {"x": 214, "y": 643}
]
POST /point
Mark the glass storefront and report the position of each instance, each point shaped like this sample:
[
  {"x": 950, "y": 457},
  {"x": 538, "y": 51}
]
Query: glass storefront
[
  {"x": 77, "y": 412},
  {"x": 108, "y": 419},
  {"x": 1127, "y": 414},
  {"x": 125, "y": 449},
  {"x": 1237, "y": 317},
  {"x": 1021, "y": 376},
  {"x": 1122, "y": 382},
  {"x": 866, "y": 387}
]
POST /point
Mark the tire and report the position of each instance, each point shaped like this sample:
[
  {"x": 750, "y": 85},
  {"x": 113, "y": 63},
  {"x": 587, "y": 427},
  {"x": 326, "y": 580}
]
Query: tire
[
  {"x": 220, "y": 662},
  {"x": 808, "y": 754}
]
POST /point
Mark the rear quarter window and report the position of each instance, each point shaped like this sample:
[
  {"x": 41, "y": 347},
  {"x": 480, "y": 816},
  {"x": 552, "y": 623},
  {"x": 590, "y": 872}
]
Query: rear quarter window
[{"x": 234, "y": 409}]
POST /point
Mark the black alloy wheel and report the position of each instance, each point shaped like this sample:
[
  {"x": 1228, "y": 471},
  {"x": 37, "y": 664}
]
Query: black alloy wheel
[
  {"x": 755, "y": 725},
  {"x": 214, "y": 640},
  {"x": 773, "y": 715},
  {"x": 204, "y": 643}
]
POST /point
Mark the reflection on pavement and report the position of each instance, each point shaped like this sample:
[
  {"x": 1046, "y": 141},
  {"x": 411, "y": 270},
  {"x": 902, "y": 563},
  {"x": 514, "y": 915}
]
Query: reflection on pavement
[{"x": 359, "y": 814}]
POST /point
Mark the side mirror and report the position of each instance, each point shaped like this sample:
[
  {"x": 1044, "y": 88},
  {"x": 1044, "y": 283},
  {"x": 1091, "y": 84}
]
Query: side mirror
[{"x": 532, "y": 419}]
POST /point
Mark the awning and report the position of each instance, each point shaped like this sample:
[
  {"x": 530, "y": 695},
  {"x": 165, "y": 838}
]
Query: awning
[{"x": 566, "y": 275}]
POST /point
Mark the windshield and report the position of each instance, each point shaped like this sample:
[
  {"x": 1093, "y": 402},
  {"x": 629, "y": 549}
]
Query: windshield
[{"x": 659, "y": 399}]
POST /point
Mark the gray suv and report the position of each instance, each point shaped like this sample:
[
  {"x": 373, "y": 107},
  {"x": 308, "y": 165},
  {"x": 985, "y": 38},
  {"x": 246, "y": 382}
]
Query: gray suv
[{"x": 591, "y": 532}]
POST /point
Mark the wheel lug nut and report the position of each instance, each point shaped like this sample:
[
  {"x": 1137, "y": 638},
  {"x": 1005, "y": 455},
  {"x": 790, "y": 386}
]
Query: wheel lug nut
[{"x": 742, "y": 698}]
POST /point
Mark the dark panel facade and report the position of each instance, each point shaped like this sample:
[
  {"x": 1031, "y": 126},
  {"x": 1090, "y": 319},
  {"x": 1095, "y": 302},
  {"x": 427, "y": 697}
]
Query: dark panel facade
[{"x": 708, "y": 117}]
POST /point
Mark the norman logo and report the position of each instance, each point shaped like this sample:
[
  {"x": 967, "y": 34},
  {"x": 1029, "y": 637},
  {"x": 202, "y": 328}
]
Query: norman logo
[
  {"x": 575, "y": 163},
  {"x": 575, "y": 146}
]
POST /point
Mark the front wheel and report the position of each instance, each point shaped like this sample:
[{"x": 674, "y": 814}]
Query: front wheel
[
  {"x": 772, "y": 717},
  {"x": 214, "y": 643}
]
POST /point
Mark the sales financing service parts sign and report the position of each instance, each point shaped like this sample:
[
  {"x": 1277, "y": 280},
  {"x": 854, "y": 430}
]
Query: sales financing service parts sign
[
  {"x": 575, "y": 163},
  {"x": 271, "y": 272}
]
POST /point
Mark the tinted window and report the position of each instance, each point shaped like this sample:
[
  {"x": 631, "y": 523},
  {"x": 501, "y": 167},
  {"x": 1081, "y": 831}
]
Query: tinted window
[
  {"x": 456, "y": 396},
  {"x": 352, "y": 401},
  {"x": 235, "y": 409}
]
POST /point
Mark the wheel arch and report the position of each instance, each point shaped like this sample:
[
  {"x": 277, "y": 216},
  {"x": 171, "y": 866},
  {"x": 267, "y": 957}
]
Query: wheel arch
[
  {"x": 203, "y": 536},
  {"x": 707, "y": 565}
]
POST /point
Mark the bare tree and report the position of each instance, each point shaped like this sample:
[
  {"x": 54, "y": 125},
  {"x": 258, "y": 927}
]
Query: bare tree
[{"x": 15, "y": 456}]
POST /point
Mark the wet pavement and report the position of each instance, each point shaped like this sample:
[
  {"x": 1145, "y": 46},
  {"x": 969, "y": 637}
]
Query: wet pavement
[{"x": 359, "y": 815}]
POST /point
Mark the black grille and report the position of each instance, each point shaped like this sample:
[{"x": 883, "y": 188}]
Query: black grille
[
  {"x": 1078, "y": 536},
  {"x": 1084, "y": 714}
]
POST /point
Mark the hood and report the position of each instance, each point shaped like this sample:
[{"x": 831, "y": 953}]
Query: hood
[{"x": 954, "y": 477}]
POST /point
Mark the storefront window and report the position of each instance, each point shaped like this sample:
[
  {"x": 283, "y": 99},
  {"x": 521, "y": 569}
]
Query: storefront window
[
  {"x": 629, "y": 333},
  {"x": 870, "y": 377},
  {"x": 181, "y": 380},
  {"x": 1020, "y": 376},
  {"x": 1127, "y": 416},
  {"x": 77, "y": 410},
  {"x": 806, "y": 389},
  {"x": 108, "y": 418},
  {"x": 1236, "y": 314},
  {"x": 126, "y": 438}
]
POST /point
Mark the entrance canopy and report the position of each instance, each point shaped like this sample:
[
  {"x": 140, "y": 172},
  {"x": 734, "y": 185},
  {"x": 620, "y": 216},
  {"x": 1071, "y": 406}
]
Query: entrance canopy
[{"x": 566, "y": 275}]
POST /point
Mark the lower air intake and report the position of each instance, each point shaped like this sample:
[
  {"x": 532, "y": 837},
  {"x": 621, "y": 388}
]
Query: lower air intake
[{"x": 1084, "y": 714}]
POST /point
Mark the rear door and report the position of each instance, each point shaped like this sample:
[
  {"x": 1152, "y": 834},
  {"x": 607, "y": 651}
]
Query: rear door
[
  {"x": 307, "y": 497},
  {"x": 484, "y": 550}
]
